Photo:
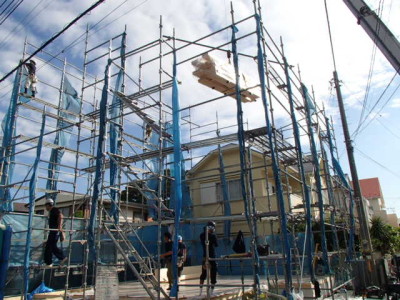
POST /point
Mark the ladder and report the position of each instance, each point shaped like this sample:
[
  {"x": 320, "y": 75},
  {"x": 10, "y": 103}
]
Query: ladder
[
  {"x": 126, "y": 249},
  {"x": 296, "y": 263}
]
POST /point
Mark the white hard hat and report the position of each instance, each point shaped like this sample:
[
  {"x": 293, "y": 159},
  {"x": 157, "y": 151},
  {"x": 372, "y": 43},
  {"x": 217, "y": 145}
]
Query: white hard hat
[{"x": 50, "y": 201}]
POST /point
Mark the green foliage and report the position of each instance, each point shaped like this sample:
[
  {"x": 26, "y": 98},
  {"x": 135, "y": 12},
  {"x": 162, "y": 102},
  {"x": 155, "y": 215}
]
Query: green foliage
[{"x": 385, "y": 238}]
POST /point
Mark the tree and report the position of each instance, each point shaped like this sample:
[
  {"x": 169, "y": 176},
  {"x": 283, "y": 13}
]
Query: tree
[{"x": 385, "y": 238}]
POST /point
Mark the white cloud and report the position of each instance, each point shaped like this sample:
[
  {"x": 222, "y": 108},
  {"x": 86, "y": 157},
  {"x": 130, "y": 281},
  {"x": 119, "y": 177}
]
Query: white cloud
[{"x": 395, "y": 103}]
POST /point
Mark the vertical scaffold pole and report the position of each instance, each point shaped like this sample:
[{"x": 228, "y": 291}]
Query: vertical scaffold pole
[
  {"x": 116, "y": 132},
  {"x": 8, "y": 145},
  {"x": 317, "y": 174},
  {"x": 225, "y": 195},
  {"x": 337, "y": 169},
  {"x": 87, "y": 205},
  {"x": 97, "y": 191},
  {"x": 160, "y": 157},
  {"x": 242, "y": 152},
  {"x": 274, "y": 158},
  {"x": 300, "y": 159},
  {"x": 176, "y": 115},
  {"x": 32, "y": 196},
  {"x": 328, "y": 181}
]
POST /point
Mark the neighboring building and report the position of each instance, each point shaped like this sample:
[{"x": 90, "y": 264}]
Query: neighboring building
[
  {"x": 20, "y": 207},
  {"x": 371, "y": 190},
  {"x": 206, "y": 192}
]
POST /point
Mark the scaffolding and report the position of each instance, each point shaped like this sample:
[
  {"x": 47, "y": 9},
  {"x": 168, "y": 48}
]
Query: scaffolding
[{"x": 132, "y": 156}]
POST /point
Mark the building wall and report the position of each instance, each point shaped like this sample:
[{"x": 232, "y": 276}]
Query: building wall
[
  {"x": 204, "y": 183},
  {"x": 392, "y": 220}
]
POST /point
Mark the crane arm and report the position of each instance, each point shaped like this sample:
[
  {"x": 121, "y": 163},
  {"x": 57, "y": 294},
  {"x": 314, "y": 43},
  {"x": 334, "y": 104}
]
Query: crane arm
[{"x": 377, "y": 31}]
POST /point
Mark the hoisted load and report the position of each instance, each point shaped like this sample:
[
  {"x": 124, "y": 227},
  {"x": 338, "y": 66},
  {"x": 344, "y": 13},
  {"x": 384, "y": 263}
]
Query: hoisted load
[{"x": 221, "y": 77}]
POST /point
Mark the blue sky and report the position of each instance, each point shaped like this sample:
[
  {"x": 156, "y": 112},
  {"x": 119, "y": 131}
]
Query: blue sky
[{"x": 302, "y": 25}]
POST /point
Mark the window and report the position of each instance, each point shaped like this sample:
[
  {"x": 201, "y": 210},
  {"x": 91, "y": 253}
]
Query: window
[
  {"x": 208, "y": 193},
  {"x": 234, "y": 190}
]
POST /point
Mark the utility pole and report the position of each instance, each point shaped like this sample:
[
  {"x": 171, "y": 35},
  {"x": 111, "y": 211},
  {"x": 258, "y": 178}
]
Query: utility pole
[{"x": 364, "y": 230}]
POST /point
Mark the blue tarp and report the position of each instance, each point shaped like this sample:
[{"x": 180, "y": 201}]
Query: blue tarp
[
  {"x": 69, "y": 108},
  {"x": 115, "y": 134},
  {"x": 42, "y": 288},
  {"x": 32, "y": 196},
  {"x": 8, "y": 145},
  {"x": 176, "y": 115},
  {"x": 99, "y": 164}
]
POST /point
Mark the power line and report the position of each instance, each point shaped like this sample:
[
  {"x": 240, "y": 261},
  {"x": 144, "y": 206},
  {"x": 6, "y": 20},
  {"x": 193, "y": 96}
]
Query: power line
[
  {"x": 9, "y": 4},
  {"x": 77, "y": 40},
  {"x": 377, "y": 114},
  {"x": 371, "y": 69},
  {"x": 3, "y": 3},
  {"x": 387, "y": 128},
  {"x": 53, "y": 38},
  {"x": 357, "y": 131},
  {"x": 9, "y": 14},
  {"x": 24, "y": 22},
  {"x": 377, "y": 163}
]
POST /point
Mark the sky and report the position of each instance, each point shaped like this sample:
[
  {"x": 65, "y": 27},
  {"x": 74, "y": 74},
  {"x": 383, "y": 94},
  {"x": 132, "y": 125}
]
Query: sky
[{"x": 303, "y": 28}]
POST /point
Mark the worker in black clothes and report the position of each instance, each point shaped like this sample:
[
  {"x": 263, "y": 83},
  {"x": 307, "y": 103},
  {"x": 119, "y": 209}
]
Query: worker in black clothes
[
  {"x": 212, "y": 243},
  {"x": 182, "y": 254},
  {"x": 31, "y": 79},
  {"x": 168, "y": 257},
  {"x": 55, "y": 233}
]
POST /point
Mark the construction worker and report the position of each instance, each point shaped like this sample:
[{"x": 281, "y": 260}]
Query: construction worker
[
  {"x": 167, "y": 255},
  {"x": 148, "y": 133},
  {"x": 31, "y": 79},
  {"x": 182, "y": 254},
  {"x": 212, "y": 243},
  {"x": 55, "y": 233}
]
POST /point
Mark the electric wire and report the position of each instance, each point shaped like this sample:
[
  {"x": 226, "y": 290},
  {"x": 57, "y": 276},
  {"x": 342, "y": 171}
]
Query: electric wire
[
  {"x": 371, "y": 67},
  {"x": 387, "y": 128},
  {"x": 97, "y": 3},
  {"x": 3, "y": 3},
  {"x": 77, "y": 40},
  {"x": 13, "y": 9},
  {"x": 25, "y": 22},
  {"x": 3, "y": 11},
  {"x": 330, "y": 35},
  {"x": 380, "y": 110},
  {"x": 377, "y": 163}
]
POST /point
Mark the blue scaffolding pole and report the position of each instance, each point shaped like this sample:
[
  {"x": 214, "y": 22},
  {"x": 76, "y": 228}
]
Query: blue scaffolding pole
[
  {"x": 116, "y": 135},
  {"x": 340, "y": 174},
  {"x": 242, "y": 152},
  {"x": 8, "y": 146},
  {"x": 317, "y": 174},
  {"x": 225, "y": 195},
  {"x": 32, "y": 196},
  {"x": 330, "y": 191},
  {"x": 99, "y": 165},
  {"x": 306, "y": 189},
  {"x": 275, "y": 166},
  {"x": 176, "y": 115}
]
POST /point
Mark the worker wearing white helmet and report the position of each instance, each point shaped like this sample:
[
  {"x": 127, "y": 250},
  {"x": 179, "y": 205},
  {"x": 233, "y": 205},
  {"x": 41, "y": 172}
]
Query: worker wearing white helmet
[
  {"x": 55, "y": 233},
  {"x": 31, "y": 79}
]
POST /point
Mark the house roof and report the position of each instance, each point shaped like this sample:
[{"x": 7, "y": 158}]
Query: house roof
[
  {"x": 215, "y": 151},
  {"x": 371, "y": 188},
  {"x": 63, "y": 199}
]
